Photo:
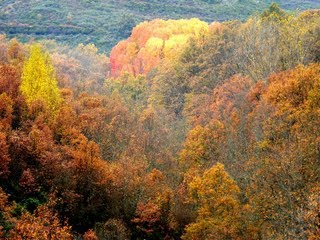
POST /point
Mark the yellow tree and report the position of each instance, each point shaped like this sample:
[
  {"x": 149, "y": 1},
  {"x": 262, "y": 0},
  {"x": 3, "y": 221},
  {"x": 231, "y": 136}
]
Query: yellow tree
[
  {"x": 201, "y": 148},
  {"x": 38, "y": 79},
  {"x": 216, "y": 196},
  {"x": 286, "y": 169}
]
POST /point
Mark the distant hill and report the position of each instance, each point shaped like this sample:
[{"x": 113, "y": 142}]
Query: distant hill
[{"x": 105, "y": 22}]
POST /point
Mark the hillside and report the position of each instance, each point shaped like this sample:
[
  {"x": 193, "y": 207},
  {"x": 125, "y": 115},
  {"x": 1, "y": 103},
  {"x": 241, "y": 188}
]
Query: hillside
[
  {"x": 105, "y": 22},
  {"x": 188, "y": 130}
]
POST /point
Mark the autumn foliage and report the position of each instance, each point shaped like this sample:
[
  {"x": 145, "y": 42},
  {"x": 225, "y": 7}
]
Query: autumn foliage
[
  {"x": 150, "y": 42},
  {"x": 201, "y": 133}
]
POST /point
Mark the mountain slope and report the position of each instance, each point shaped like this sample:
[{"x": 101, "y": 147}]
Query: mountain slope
[{"x": 105, "y": 22}]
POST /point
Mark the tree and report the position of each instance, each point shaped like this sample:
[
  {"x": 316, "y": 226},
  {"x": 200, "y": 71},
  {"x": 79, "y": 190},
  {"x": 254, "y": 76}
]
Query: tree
[
  {"x": 312, "y": 216},
  {"x": 216, "y": 196},
  {"x": 201, "y": 148},
  {"x": 90, "y": 235},
  {"x": 43, "y": 224},
  {"x": 4, "y": 156},
  {"x": 5, "y": 112},
  {"x": 113, "y": 229},
  {"x": 274, "y": 11},
  {"x": 286, "y": 163},
  {"x": 271, "y": 43},
  {"x": 133, "y": 90},
  {"x": 9, "y": 80},
  {"x": 152, "y": 41},
  {"x": 5, "y": 213},
  {"x": 38, "y": 79}
]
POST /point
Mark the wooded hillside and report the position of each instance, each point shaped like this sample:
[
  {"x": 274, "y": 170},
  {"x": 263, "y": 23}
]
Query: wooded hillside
[{"x": 217, "y": 138}]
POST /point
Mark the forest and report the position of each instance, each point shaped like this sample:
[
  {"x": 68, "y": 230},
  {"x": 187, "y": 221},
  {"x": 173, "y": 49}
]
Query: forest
[
  {"x": 106, "y": 22},
  {"x": 187, "y": 130}
]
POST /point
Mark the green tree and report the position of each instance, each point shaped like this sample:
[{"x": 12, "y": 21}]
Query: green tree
[
  {"x": 274, "y": 11},
  {"x": 38, "y": 79}
]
